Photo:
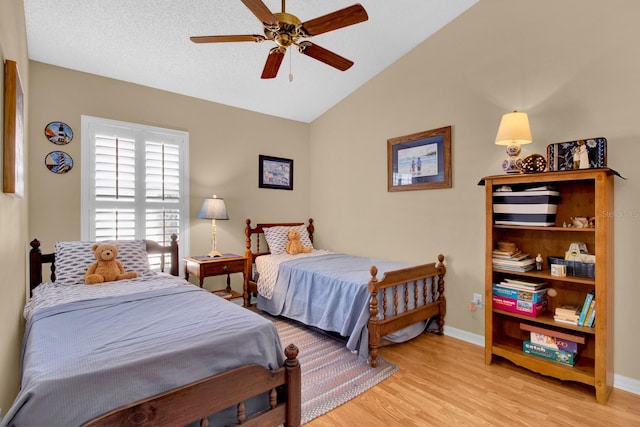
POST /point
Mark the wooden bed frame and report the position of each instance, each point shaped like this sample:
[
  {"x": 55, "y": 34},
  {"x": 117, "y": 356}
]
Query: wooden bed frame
[
  {"x": 378, "y": 328},
  {"x": 195, "y": 401}
]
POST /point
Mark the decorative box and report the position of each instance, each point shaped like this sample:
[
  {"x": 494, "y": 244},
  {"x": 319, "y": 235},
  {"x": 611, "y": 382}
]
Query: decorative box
[
  {"x": 532, "y": 208},
  {"x": 526, "y": 308}
]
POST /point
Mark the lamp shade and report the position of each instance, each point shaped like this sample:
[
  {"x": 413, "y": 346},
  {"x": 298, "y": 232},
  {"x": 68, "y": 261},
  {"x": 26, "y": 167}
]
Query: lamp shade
[
  {"x": 514, "y": 129},
  {"x": 213, "y": 208}
]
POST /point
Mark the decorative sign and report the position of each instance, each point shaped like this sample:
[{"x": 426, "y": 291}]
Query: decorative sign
[
  {"x": 58, "y": 162},
  {"x": 59, "y": 133}
]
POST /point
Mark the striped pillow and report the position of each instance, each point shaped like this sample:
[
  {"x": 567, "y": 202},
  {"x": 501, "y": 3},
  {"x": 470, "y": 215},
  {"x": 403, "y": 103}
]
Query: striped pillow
[
  {"x": 73, "y": 258},
  {"x": 277, "y": 238}
]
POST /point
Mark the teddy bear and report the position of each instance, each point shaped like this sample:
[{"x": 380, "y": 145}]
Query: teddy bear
[
  {"x": 106, "y": 268},
  {"x": 294, "y": 245}
]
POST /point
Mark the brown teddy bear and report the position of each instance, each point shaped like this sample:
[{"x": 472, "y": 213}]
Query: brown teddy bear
[
  {"x": 294, "y": 245},
  {"x": 106, "y": 268}
]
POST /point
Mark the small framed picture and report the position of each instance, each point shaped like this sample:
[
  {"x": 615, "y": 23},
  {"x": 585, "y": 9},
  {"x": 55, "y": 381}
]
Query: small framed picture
[{"x": 275, "y": 172}]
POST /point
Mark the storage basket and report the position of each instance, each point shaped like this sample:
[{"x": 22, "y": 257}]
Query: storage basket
[
  {"x": 575, "y": 268},
  {"x": 532, "y": 208}
]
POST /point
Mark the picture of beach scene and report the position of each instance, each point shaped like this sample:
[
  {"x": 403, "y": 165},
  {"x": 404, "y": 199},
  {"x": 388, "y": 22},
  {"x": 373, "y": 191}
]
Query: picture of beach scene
[{"x": 415, "y": 162}]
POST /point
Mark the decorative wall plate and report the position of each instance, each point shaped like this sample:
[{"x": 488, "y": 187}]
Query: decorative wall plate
[
  {"x": 58, "y": 162},
  {"x": 580, "y": 154},
  {"x": 59, "y": 133}
]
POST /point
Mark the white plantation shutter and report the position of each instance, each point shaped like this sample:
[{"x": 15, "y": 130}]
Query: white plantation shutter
[{"x": 135, "y": 182}]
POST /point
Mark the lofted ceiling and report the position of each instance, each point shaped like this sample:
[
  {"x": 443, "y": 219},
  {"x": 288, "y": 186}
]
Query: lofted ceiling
[{"x": 147, "y": 42}]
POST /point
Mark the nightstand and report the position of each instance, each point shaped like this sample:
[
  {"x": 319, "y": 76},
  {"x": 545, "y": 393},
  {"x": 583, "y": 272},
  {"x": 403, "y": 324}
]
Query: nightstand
[{"x": 203, "y": 266}]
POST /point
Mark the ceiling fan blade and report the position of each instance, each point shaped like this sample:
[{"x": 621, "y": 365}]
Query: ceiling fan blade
[
  {"x": 226, "y": 39},
  {"x": 276, "y": 55},
  {"x": 261, "y": 11},
  {"x": 332, "y": 21},
  {"x": 324, "y": 55}
]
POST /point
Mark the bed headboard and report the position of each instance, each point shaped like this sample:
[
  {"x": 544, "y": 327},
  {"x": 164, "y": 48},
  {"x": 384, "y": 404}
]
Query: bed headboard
[
  {"x": 37, "y": 259},
  {"x": 253, "y": 236}
]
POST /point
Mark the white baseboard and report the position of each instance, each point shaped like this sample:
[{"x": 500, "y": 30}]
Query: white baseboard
[{"x": 621, "y": 382}]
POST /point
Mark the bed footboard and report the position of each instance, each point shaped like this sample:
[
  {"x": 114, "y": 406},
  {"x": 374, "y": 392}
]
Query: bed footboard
[
  {"x": 195, "y": 401},
  {"x": 427, "y": 296}
]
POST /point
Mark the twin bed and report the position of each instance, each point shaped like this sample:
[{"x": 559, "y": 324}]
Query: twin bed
[
  {"x": 342, "y": 293},
  {"x": 177, "y": 352},
  {"x": 157, "y": 350}
]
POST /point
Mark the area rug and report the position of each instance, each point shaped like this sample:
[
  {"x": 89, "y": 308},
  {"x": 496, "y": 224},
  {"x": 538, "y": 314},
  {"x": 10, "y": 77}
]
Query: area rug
[{"x": 331, "y": 374}]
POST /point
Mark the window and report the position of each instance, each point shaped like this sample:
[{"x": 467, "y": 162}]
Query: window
[{"x": 135, "y": 182}]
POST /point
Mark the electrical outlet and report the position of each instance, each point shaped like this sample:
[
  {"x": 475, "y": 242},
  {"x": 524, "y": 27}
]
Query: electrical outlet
[{"x": 477, "y": 300}]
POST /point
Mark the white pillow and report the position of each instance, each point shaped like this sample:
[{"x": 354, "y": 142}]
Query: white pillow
[
  {"x": 73, "y": 258},
  {"x": 277, "y": 238}
]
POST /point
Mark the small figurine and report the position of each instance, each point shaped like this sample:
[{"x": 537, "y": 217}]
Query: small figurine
[{"x": 539, "y": 262}]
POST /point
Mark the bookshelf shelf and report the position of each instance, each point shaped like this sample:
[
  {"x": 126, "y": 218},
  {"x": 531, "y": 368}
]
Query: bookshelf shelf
[{"x": 587, "y": 192}]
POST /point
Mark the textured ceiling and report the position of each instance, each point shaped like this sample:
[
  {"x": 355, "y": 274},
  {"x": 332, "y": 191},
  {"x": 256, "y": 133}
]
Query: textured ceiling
[{"x": 147, "y": 42}]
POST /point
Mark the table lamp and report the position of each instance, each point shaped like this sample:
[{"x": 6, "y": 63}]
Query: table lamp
[
  {"x": 213, "y": 208},
  {"x": 513, "y": 131}
]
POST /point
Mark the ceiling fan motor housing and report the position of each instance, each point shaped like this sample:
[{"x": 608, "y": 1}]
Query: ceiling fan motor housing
[{"x": 286, "y": 33}]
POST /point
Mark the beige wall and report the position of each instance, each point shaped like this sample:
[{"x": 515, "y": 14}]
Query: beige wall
[
  {"x": 572, "y": 65},
  {"x": 224, "y": 146},
  {"x": 13, "y": 221}
]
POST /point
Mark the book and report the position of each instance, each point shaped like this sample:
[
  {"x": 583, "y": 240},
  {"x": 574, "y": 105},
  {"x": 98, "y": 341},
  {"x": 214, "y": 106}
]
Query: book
[
  {"x": 568, "y": 311},
  {"x": 528, "y": 285},
  {"x": 568, "y": 322},
  {"x": 507, "y": 291},
  {"x": 585, "y": 308},
  {"x": 517, "y": 269},
  {"x": 592, "y": 307},
  {"x": 560, "y": 356},
  {"x": 592, "y": 318},
  {"x": 515, "y": 257},
  {"x": 514, "y": 263}
]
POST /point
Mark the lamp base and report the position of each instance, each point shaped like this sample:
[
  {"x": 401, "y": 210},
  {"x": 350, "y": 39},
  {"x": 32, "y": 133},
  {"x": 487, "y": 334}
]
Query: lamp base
[
  {"x": 214, "y": 253},
  {"x": 513, "y": 163}
]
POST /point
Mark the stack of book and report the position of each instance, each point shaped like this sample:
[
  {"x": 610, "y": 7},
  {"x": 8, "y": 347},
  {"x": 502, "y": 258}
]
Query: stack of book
[
  {"x": 519, "y": 296},
  {"x": 561, "y": 347},
  {"x": 567, "y": 314},
  {"x": 588, "y": 312},
  {"x": 513, "y": 260}
]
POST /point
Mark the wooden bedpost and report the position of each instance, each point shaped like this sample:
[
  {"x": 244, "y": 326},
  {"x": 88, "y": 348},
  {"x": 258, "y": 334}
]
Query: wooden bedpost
[
  {"x": 294, "y": 387},
  {"x": 174, "y": 256},
  {"x": 35, "y": 264},
  {"x": 443, "y": 301},
  {"x": 311, "y": 229},
  {"x": 374, "y": 331}
]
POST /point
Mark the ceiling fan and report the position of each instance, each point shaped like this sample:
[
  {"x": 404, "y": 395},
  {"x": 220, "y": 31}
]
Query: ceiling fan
[{"x": 286, "y": 29}]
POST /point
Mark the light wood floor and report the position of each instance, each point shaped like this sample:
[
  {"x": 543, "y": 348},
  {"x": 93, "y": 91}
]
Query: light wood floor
[{"x": 443, "y": 381}]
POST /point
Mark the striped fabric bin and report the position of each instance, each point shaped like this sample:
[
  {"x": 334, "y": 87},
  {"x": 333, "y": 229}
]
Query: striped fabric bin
[{"x": 532, "y": 208}]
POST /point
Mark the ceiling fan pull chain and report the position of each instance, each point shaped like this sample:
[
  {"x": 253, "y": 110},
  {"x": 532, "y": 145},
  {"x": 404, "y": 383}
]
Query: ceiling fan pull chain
[{"x": 290, "y": 62}]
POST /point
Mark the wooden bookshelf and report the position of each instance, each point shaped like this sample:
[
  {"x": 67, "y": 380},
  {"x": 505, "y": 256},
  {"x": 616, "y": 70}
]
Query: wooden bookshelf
[{"x": 587, "y": 192}]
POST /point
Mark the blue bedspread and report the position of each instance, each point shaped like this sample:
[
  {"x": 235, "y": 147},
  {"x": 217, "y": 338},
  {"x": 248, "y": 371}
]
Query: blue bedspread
[
  {"x": 330, "y": 292},
  {"x": 85, "y": 358}
]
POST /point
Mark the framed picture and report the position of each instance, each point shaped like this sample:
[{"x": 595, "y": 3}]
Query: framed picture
[
  {"x": 275, "y": 172},
  {"x": 13, "y": 182},
  {"x": 580, "y": 154},
  {"x": 420, "y": 161}
]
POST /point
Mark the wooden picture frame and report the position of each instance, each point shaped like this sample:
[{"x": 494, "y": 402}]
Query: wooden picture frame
[
  {"x": 13, "y": 173},
  {"x": 420, "y": 161},
  {"x": 275, "y": 172}
]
